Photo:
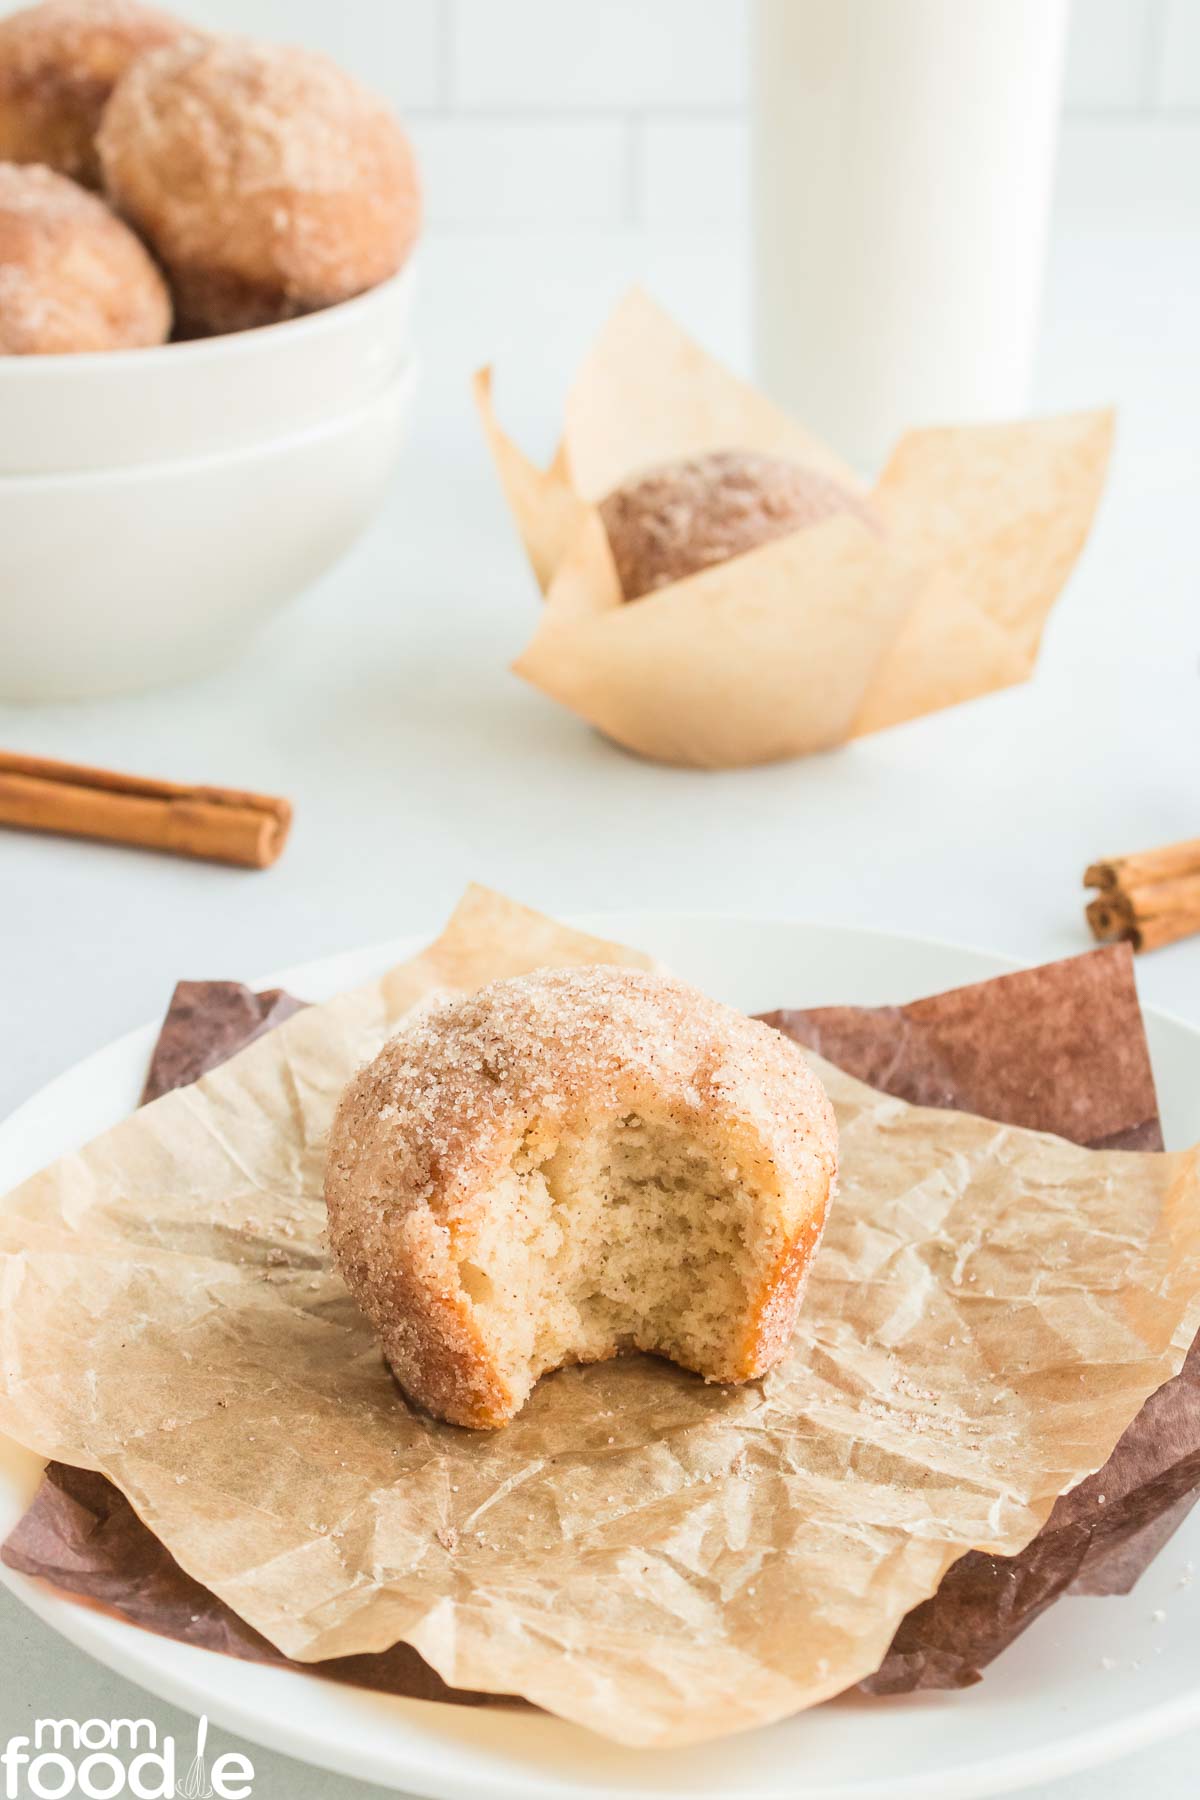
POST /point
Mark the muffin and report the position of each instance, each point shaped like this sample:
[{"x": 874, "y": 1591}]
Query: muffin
[
  {"x": 59, "y": 63},
  {"x": 686, "y": 516},
  {"x": 570, "y": 1165},
  {"x": 72, "y": 276},
  {"x": 268, "y": 181}
]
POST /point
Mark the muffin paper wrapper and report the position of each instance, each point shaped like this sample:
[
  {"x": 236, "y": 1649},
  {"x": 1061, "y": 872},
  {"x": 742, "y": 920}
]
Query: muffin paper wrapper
[
  {"x": 990, "y": 1312},
  {"x": 820, "y": 636}
]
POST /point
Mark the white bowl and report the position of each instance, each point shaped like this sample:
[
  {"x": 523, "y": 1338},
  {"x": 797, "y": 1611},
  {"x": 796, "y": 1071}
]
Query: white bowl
[
  {"x": 116, "y": 407},
  {"x": 124, "y": 578}
]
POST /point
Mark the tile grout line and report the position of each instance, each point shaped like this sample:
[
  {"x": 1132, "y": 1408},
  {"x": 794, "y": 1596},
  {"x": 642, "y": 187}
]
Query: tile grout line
[
  {"x": 444, "y": 49},
  {"x": 635, "y": 168},
  {"x": 1133, "y": 117},
  {"x": 535, "y": 111},
  {"x": 1154, "y": 43},
  {"x": 1135, "y": 113}
]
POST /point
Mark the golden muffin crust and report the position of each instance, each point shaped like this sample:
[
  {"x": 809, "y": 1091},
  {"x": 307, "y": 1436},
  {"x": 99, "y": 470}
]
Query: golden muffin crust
[
  {"x": 572, "y": 1164},
  {"x": 268, "y": 181},
  {"x": 685, "y": 516},
  {"x": 59, "y": 62},
  {"x": 72, "y": 276}
]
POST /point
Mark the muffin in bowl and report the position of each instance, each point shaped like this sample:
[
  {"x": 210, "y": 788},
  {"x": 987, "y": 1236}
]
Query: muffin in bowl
[
  {"x": 59, "y": 62},
  {"x": 268, "y": 182},
  {"x": 72, "y": 276}
]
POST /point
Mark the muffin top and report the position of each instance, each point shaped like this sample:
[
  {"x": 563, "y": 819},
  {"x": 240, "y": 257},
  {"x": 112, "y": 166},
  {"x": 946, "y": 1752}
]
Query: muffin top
[{"x": 686, "y": 516}]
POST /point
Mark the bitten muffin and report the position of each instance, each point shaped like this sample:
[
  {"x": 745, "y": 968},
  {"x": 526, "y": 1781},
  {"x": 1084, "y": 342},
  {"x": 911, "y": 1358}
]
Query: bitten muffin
[
  {"x": 688, "y": 515},
  {"x": 268, "y": 182},
  {"x": 72, "y": 276},
  {"x": 570, "y": 1165},
  {"x": 59, "y": 63}
]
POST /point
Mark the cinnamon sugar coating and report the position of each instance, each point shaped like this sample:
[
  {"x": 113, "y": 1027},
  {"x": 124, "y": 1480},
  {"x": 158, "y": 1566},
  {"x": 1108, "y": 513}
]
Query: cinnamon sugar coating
[
  {"x": 59, "y": 62},
  {"x": 686, "y": 516},
  {"x": 268, "y": 181},
  {"x": 72, "y": 276},
  {"x": 573, "y": 1164}
]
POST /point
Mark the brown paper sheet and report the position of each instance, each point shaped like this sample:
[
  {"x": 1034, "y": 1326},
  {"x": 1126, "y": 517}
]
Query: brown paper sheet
[
  {"x": 1058, "y": 1048},
  {"x": 821, "y": 636},
  {"x": 989, "y": 1311},
  {"x": 207, "y": 1022}
]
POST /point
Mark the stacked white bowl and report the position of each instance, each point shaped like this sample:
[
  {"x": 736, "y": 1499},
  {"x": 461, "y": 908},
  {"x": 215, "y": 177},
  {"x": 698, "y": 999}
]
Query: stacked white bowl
[{"x": 157, "y": 505}]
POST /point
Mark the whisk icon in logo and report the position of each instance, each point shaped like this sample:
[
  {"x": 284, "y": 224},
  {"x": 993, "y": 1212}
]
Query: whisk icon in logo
[
  {"x": 232, "y": 1774},
  {"x": 195, "y": 1784},
  {"x": 106, "y": 1758}
]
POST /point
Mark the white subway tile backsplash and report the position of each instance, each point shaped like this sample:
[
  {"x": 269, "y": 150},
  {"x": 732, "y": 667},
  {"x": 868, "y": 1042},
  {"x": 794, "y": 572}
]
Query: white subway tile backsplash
[
  {"x": 1108, "y": 52},
  {"x": 1179, "y": 67},
  {"x": 561, "y": 113},
  {"x": 621, "y": 54},
  {"x": 393, "y": 45},
  {"x": 1146, "y": 172},
  {"x": 509, "y": 174},
  {"x": 693, "y": 173}
]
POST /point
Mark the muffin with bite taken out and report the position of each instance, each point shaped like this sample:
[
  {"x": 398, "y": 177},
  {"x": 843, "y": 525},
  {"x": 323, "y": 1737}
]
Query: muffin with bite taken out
[{"x": 569, "y": 1165}]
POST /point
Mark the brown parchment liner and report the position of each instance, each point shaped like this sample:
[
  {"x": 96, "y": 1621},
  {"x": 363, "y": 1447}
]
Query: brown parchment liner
[
  {"x": 823, "y": 635},
  {"x": 207, "y": 1022},
  {"x": 990, "y": 1309}
]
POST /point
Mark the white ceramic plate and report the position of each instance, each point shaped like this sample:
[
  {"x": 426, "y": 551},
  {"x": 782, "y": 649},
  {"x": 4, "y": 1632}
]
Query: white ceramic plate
[{"x": 1091, "y": 1680}]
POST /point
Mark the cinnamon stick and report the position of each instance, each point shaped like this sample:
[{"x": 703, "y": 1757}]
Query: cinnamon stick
[
  {"x": 1110, "y": 918},
  {"x": 1148, "y": 899},
  {"x": 214, "y": 823},
  {"x": 1146, "y": 867}
]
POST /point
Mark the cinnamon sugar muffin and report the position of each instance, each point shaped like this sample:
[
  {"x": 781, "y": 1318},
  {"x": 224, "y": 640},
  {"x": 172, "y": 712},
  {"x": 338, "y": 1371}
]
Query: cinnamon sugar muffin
[
  {"x": 688, "y": 515},
  {"x": 72, "y": 276},
  {"x": 573, "y": 1164},
  {"x": 268, "y": 181},
  {"x": 59, "y": 63}
]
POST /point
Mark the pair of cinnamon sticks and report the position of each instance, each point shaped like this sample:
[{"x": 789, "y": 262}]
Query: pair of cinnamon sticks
[
  {"x": 217, "y": 824},
  {"x": 1149, "y": 899}
]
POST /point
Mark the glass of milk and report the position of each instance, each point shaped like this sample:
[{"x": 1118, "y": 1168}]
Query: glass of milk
[{"x": 903, "y": 158}]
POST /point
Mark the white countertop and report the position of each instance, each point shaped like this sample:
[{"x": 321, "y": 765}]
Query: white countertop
[{"x": 381, "y": 704}]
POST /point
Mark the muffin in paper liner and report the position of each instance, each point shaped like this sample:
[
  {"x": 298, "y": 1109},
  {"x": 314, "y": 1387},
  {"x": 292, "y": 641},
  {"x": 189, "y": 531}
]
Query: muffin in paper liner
[{"x": 819, "y": 636}]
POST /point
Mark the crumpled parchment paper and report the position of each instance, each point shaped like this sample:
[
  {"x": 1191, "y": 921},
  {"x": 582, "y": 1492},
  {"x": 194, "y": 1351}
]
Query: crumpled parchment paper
[
  {"x": 990, "y": 1309},
  {"x": 1057, "y": 1048}
]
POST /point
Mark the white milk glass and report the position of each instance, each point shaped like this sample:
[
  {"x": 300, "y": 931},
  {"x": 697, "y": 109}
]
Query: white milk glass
[{"x": 903, "y": 157}]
